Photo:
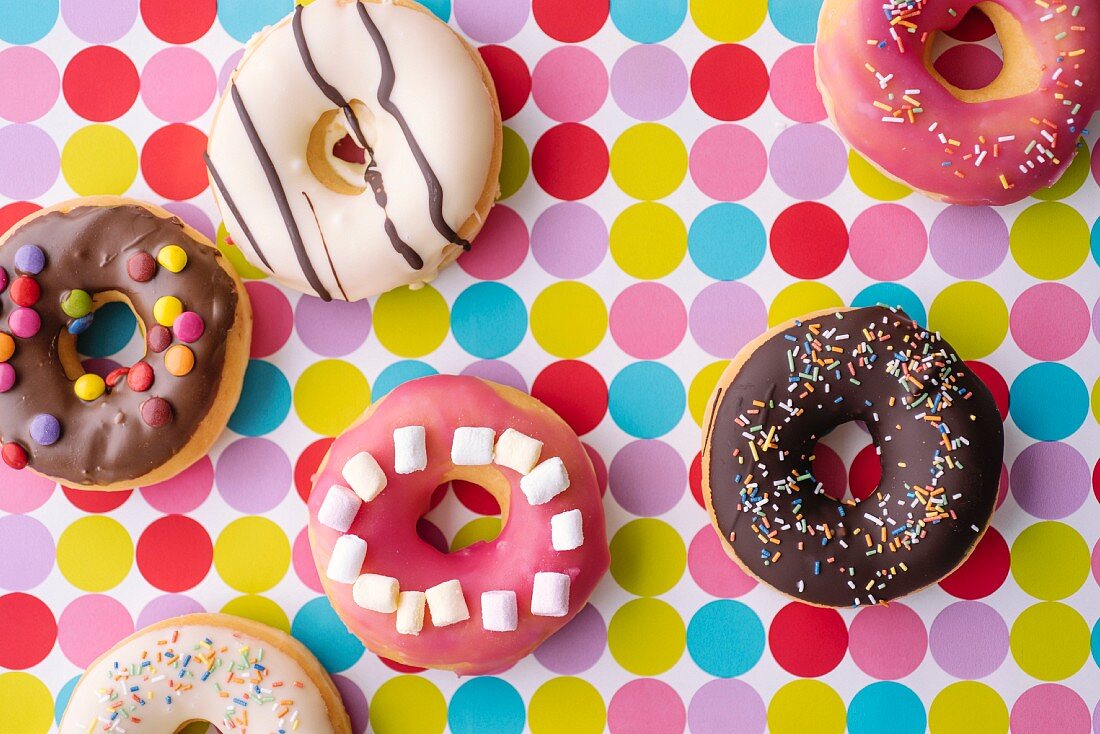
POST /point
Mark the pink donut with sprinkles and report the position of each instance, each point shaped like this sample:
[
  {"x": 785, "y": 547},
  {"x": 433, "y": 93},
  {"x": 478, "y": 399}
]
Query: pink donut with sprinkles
[
  {"x": 994, "y": 145},
  {"x": 482, "y": 608}
]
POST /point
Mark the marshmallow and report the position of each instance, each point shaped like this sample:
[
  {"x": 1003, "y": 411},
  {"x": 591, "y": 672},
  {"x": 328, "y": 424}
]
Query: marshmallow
[
  {"x": 339, "y": 508},
  {"x": 567, "y": 530},
  {"x": 472, "y": 446},
  {"x": 545, "y": 482},
  {"x": 499, "y": 612},
  {"x": 365, "y": 476},
  {"x": 517, "y": 451},
  {"x": 446, "y": 603},
  {"x": 410, "y": 451},
  {"x": 410, "y": 612},
  {"x": 376, "y": 593},
  {"x": 347, "y": 559},
  {"x": 550, "y": 594}
]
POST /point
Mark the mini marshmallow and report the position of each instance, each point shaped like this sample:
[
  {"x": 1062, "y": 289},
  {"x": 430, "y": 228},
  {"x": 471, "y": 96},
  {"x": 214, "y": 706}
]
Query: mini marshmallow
[
  {"x": 410, "y": 450},
  {"x": 376, "y": 593},
  {"x": 550, "y": 594},
  {"x": 472, "y": 446},
  {"x": 347, "y": 559},
  {"x": 517, "y": 451},
  {"x": 446, "y": 603},
  {"x": 339, "y": 508},
  {"x": 499, "y": 611},
  {"x": 410, "y": 612},
  {"x": 365, "y": 476},
  {"x": 567, "y": 530},
  {"x": 545, "y": 482}
]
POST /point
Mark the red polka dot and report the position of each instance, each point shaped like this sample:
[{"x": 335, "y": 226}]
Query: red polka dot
[
  {"x": 808, "y": 641},
  {"x": 729, "y": 82},
  {"x": 27, "y": 631},
  {"x": 438, "y": 495},
  {"x": 1002, "y": 487},
  {"x": 174, "y": 553},
  {"x": 272, "y": 321},
  {"x": 804, "y": 223},
  {"x": 570, "y": 161},
  {"x": 829, "y": 469},
  {"x": 475, "y": 498},
  {"x": 101, "y": 83},
  {"x": 866, "y": 473},
  {"x": 172, "y": 162},
  {"x": 176, "y": 22},
  {"x": 15, "y": 211},
  {"x": 308, "y": 463},
  {"x": 97, "y": 502},
  {"x": 695, "y": 479},
  {"x": 598, "y": 466},
  {"x": 983, "y": 572},
  {"x": 974, "y": 26},
  {"x": 969, "y": 66},
  {"x": 512, "y": 78},
  {"x": 996, "y": 384},
  {"x": 576, "y": 391},
  {"x": 571, "y": 20},
  {"x": 400, "y": 667}
]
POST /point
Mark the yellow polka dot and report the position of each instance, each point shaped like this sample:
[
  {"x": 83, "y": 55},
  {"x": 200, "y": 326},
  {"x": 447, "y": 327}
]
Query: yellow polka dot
[
  {"x": 179, "y": 360},
  {"x": 475, "y": 531},
  {"x": 99, "y": 159},
  {"x": 566, "y": 705},
  {"x": 648, "y": 241},
  {"x": 1073, "y": 177},
  {"x": 647, "y": 557},
  {"x": 95, "y": 553},
  {"x": 801, "y": 298},
  {"x": 873, "y": 182},
  {"x": 330, "y": 395},
  {"x": 412, "y": 323},
  {"x": 569, "y": 319},
  {"x": 1050, "y": 641},
  {"x": 26, "y": 703},
  {"x": 259, "y": 609},
  {"x": 236, "y": 258},
  {"x": 806, "y": 707},
  {"x": 1050, "y": 560},
  {"x": 649, "y": 161},
  {"x": 89, "y": 387},
  {"x": 1049, "y": 240},
  {"x": 968, "y": 707},
  {"x": 728, "y": 21},
  {"x": 408, "y": 704},
  {"x": 167, "y": 309},
  {"x": 971, "y": 316},
  {"x": 7, "y": 347},
  {"x": 172, "y": 258},
  {"x": 1096, "y": 401},
  {"x": 515, "y": 165},
  {"x": 199, "y": 727},
  {"x": 252, "y": 554},
  {"x": 702, "y": 387},
  {"x": 646, "y": 636}
]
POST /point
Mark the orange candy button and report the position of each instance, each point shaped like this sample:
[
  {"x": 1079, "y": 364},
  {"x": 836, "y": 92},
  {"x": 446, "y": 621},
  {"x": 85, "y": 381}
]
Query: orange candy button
[
  {"x": 179, "y": 360},
  {"x": 7, "y": 347}
]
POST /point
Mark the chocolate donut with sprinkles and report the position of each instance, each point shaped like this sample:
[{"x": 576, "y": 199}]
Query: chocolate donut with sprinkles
[{"x": 934, "y": 424}]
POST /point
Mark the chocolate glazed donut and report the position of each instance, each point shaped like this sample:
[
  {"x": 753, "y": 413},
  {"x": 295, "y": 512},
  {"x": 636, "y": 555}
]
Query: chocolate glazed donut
[{"x": 933, "y": 422}]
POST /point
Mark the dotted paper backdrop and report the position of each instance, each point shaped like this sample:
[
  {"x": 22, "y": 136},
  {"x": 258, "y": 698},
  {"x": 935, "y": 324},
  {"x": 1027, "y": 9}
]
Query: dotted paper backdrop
[{"x": 670, "y": 189}]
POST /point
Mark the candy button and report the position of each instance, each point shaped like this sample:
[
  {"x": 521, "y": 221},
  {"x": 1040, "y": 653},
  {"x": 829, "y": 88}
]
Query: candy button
[
  {"x": 179, "y": 360},
  {"x": 3, "y": 279},
  {"x": 79, "y": 326},
  {"x": 7, "y": 347},
  {"x": 25, "y": 291},
  {"x": 24, "y": 323},
  {"x": 172, "y": 258},
  {"x": 141, "y": 267},
  {"x": 7, "y": 377},
  {"x": 156, "y": 412},
  {"x": 14, "y": 455},
  {"x": 167, "y": 309},
  {"x": 189, "y": 327},
  {"x": 76, "y": 304},
  {"x": 140, "y": 377},
  {"x": 159, "y": 339},
  {"x": 30, "y": 259},
  {"x": 89, "y": 387},
  {"x": 45, "y": 429},
  {"x": 116, "y": 376}
]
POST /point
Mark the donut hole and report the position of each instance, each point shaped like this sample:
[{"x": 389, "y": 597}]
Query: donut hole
[
  {"x": 464, "y": 511},
  {"x": 985, "y": 57},
  {"x": 198, "y": 727},
  {"x": 335, "y": 156},
  {"x": 116, "y": 338},
  {"x": 844, "y": 462}
]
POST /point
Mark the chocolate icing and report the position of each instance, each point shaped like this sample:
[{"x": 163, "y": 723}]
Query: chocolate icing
[
  {"x": 106, "y": 441},
  {"x": 941, "y": 445}
]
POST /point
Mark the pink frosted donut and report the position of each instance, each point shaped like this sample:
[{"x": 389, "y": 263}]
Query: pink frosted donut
[
  {"x": 994, "y": 145},
  {"x": 484, "y": 607}
]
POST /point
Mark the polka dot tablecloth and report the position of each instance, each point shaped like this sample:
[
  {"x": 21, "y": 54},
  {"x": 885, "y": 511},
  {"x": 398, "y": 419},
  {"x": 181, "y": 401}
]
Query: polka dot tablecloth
[{"x": 670, "y": 188}]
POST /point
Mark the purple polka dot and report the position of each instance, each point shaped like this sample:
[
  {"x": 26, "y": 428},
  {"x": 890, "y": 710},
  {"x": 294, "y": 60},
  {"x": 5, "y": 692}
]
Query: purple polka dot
[
  {"x": 577, "y": 646},
  {"x": 969, "y": 639},
  {"x": 184, "y": 492},
  {"x": 726, "y": 706},
  {"x": 803, "y": 148},
  {"x": 500, "y": 248},
  {"x": 90, "y": 626},
  {"x": 1050, "y": 480},
  {"x": 728, "y": 162},
  {"x": 491, "y": 21},
  {"x": 648, "y": 705},
  {"x": 194, "y": 216},
  {"x": 649, "y": 82},
  {"x": 29, "y": 162},
  {"x": 794, "y": 86},
  {"x": 332, "y": 329},
  {"x": 887, "y": 642},
  {"x": 569, "y": 240},
  {"x": 30, "y": 82},
  {"x": 497, "y": 371},
  {"x": 968, "y": 242},
  {"x": 167, "y": 607},
  {"x": 648, "y": 320},
  {"x": 26, "y": 552},
  {"x": 355, "y": 702},
  {"x": 178, "y": 84},
  {"x": 713, "y": 570},
  {"x": 647, "y": 478},
  {"x": 1050, "y": 321},
  {"x": 254, "y": 475},
  {"x": 569, "y": 84},
  {"x": 725, "y": 317},
  {"x": 99, "y": 21},
  {"x": 228, "y": 68},
  {"x": 1050, "y": 707},
  {"x": 23, "y": 491},
  {"x": 888, "y": 242}
]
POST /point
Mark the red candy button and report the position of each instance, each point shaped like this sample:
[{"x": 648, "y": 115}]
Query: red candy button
[
  {"x": 25, "y": 291},
  {"x": 140, "y": 377},
  {"x": 14, "y": 456}
]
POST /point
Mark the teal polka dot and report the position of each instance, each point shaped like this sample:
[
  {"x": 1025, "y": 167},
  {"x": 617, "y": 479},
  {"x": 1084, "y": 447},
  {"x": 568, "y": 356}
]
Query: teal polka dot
[
  {"x": 61, "y": 701},
  {"x": 486, "y": 704},
  {"x": 886, "y": 706},
  {"x": 725, "y": 638},
  {"x": 265, "y": 400},
  {"x": 489, "y": 320},
  {"x": 399, "y": 373},
  {"x": 1096, "y": 643},
  {"x": 893, "y": 295},
  {"x": 646, "y": 399},
  {"x": 317, "y": 627},
  {"x": 727, "y": 241},
  {"x": 442, "y": 8},
  {"x": 1096, "y": 239},
  {"x": 26, "y": 21},
  {"x": 1049, "y": 401},
  {"x": 648, "y": 21},
  {"x": 796, "y": 19},
  {"x": 111, "y": 330},
  {"x": 242, "y": 18}
]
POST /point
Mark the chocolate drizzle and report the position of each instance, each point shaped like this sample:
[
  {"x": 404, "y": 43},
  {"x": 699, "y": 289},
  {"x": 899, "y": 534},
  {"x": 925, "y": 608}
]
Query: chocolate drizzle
[
  {"x": 234, "y": 210},
  {"x": 324, "y": 243}
]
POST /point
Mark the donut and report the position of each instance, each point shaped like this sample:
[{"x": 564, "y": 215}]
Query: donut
[
  {"x": 357, "y": 148},
  {"x": 237, "y": 674},
  {"x": 995, "y": 145},
  {"x": 141, "y": 424},
  {"x": 480, "y": 609},
  {"x": 934, "y": 424}
]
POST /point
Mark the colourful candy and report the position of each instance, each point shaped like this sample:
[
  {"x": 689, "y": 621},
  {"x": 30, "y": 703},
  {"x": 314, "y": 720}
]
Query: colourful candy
[
  {"x": 140, "y": 377},
  {"x": 156, "y": 412},
  {"x": 76, "y": 304},
  {"x": 89, "y": 387},
  {"x": 167, "y": 309},
  {"x": 159, "y": 339},
  {"x": 25, "y": 291},
  {"x": 14, "y": 456},
  {"x": 79, "y": 326},
  {"x": 7, "y": 347},
  {"x": 7, "y": 377},
  {"x": 141, "y": 267},
  {"x": 30, "y": 259},
  {"x": 172, "y": 258},
  {"x": 3, "y": 279},
  {"x": 116, "y": 376},
  {"x": 179, "y": 360},
  {"x": 189, "y": 327},
  {"x": 45, "y": 429},
  {"x": 24, "y": 323}
]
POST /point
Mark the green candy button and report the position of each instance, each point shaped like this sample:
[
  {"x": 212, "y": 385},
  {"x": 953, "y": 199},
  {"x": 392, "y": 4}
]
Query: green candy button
[{"x": 76, "y": 304}]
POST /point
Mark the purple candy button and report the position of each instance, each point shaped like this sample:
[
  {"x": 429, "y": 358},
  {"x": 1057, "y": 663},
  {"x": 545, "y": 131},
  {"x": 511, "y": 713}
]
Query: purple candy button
[
  {"x": 45, "y": 429},
  {"x": 30, "y": 259}
]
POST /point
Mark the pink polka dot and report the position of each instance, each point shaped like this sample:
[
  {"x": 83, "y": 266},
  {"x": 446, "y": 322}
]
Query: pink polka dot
[
  {"x": 808, "y": 161},
  {"x": 1050, "y": 321},
  {"x": 90, "y": 626},
  {"x": 887, "y": 242},
  {"x": 794, "y": 86},
  {"x": 725, "y": 317},
  {"x": 304, "y": 566},
  {"x": 969, "y": 65},
  {"x": 500, "y": 248},
  {"x": 647, "y": 705},
  {"x": 272, "y": 318},
  {"x": 887, "y": 642},
  {"x": 30, "y": 82},
  {"x": 713, "y": 570},
  {"x": 178, "y": 84},
  {"x": 728, "y": 162},
  {"x": 22, "y": 491},
  {"x": 184, "y": 492},
  {"x": 648, "y": 320},
  {"x": 569, "y": 84},
  {"x": 1050, "y": 707},
  {"x": 228, "y": 68}
]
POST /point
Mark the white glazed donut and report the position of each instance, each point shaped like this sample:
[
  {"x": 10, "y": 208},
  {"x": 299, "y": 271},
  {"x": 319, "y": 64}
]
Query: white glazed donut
[{"x": 422, "y": 114}]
